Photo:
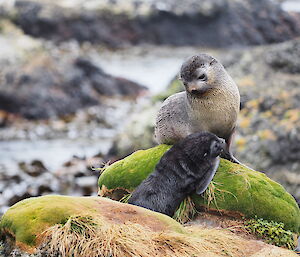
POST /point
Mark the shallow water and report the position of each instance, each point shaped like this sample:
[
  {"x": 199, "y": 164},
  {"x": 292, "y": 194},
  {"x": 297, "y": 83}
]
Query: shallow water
[
  {"x": 53, "y": 153},
  {"x": 291, "y": 6}
]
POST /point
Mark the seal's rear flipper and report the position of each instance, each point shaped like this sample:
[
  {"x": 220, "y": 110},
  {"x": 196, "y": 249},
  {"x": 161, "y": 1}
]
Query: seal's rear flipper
[{"x": 207, "y": 178}]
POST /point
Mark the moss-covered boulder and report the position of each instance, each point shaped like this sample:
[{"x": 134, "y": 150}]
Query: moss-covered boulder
[
  {"x": 235, "y": 189},
  {"x": 96, "y": 226},
  {"x": 26, "y": 220}
]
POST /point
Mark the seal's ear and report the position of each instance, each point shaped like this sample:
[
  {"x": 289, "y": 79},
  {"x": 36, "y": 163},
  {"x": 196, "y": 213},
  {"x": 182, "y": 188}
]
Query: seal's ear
[{"x": 207, "y": 178}]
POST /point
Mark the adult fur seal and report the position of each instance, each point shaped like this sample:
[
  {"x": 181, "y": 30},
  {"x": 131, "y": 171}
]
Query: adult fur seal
[
  {"x": 211, "y": 102},
  {"x": 187, "y": 167}
]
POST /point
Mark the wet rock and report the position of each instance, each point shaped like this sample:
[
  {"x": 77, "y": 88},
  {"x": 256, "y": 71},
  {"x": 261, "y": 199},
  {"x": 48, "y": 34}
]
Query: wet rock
[
  {"x": 105, "y": 84},
  {"x": 34, "y": 169},
  {"x": 173, "y": 22},
  {"x": 53, "y": 88},
  {"x": 285, "y": 58}
]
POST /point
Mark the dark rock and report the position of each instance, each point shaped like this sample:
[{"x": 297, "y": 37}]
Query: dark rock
[
  {"x": 34, "y": 169},
  {"x": 55, "y": 88},
  {"x": 216, "y": 23},
  {"x": 285, "y": 58},
  {"x": 105, "y": 84},
  {"x": 16, "y": 198},
  {"x": 44, "y": 189},
  {"x": 286, "y": 148},
  {"x": 267, "y": 104}
]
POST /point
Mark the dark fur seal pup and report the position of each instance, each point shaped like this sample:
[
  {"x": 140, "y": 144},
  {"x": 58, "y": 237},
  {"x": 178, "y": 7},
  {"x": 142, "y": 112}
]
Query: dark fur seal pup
[
  {"x": 211, "y": 102},
  {"x": 187, "y": 167}
]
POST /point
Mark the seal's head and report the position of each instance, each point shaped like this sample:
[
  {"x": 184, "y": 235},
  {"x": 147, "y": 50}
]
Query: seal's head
[
  {"x": 203, "y": 145},
  {"x": 201, "y": 73}
]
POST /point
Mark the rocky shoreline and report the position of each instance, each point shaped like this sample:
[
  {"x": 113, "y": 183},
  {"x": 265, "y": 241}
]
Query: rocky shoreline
[
  {"x": 122, "y": 23},
  {"x": 53, "y": 90}
]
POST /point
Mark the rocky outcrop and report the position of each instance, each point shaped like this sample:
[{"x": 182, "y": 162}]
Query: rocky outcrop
[
  {"x": 285, "y": 58},
  {"x": 95, "y": 226},
  {"x": 40, "y": 80},
  {"x": 235, "y": 190},
  {"x": 215, "y": 23},
  {"x": 51, "y": 87}
]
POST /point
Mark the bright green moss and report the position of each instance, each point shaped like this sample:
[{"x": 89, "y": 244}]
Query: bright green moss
[{"x": 234, "y": 188}]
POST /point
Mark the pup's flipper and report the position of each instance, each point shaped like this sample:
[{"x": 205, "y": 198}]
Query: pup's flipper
[{"x": 207, "y": 178}]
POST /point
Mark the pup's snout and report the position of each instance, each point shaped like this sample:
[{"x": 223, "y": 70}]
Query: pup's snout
[
  {"x": 217, "y": 147},
  {"x": 222, "y": 144}
]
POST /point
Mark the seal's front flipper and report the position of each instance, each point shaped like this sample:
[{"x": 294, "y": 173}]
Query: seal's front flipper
[
  {"x": 229, "y": 156},
  {"x": 226, "y": 154},
  {"x": 207, "y": 178}
]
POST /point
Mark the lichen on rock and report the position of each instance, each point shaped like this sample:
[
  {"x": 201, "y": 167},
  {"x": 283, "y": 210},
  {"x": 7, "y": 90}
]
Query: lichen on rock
[{"x": 235, "y": 189}]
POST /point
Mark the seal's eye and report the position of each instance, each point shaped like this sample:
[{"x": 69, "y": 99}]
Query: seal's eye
[
  {"x": 202, "y": 77},
  {"x": 213, "y": 61}
]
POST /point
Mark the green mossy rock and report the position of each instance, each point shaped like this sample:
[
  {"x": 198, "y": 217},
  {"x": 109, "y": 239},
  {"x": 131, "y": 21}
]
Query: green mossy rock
[
  {"x": 27, "y": 219},
  {"x": 235, "y": 189}
]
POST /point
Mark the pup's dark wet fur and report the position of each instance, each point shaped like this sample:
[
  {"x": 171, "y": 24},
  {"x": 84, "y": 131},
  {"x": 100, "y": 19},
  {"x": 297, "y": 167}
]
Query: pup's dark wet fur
[{"x": 187, "y": 167}]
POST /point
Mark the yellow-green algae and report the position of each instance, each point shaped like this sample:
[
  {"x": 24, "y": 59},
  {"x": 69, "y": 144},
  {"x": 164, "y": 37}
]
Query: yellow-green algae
[
  {"x": 29, "y": 218},
  {"x": 234, "y": 188}
]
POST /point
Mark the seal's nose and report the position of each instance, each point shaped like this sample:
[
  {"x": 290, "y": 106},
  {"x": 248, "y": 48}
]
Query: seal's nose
[
  {"x": 197, "y": 88},
  {"x": 195, "y": 91}
]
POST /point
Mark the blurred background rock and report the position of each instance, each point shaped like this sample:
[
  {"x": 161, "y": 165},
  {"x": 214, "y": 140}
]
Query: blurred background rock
[{"x": 81, "y": 82}]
